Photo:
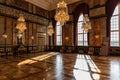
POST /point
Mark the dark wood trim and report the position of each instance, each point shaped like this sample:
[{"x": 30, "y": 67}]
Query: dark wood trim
[
  {"x": 40, "y": 32},
  {"x": 11, "y": 6},
  {"x": 97, "y": 6},
  {"x": 69, "y": 22},
  {"x": 99, "y": 16},
  {"x": 5, "y": 24},
  {"x": 28, "y": 34},
  {"x": 26, "y": 19}
]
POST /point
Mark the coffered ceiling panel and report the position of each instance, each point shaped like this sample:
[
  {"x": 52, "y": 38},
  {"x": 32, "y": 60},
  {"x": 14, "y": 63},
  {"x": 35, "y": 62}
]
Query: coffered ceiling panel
[{"x": 49, "y": 4}]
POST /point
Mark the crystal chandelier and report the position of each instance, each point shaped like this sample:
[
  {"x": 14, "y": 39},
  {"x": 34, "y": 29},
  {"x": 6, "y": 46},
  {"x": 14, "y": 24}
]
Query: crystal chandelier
[
  {"x": 21, "y": 25},
  {"x": 61, "y": 12},
  {"x": 86, "y": 23},
  {"x": 50, "y": 30}
]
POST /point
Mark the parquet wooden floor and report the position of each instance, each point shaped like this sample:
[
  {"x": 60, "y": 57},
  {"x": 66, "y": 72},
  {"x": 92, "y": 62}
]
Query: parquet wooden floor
[{"x": 59, "y": 66}]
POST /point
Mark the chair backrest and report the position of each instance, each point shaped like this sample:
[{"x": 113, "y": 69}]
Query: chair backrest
[{"x": 91, "y": 50}]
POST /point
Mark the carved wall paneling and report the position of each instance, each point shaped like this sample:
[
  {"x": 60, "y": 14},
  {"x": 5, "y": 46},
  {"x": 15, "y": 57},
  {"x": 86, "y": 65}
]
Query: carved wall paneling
[
  {"x": 27, "y": 34},
  {"x": 95, "y": 12},
  {"x": 67, "y": 34},
  {"x": 14, "y": 13},
  {"x": 1, "y": 29},
  {"x": 30, "y": 33},
  {"x": 21, "y": 4},
  {"x": 98, "y": 31},
  {"x": 41, "y": 32},
  {"x": 96, "y": 2},
  {"x": 34, "y": 33},
  {"x": 9, "y": 30},
  {"x": 14, "y": 31},
  {"x": 24, "y": 6}
]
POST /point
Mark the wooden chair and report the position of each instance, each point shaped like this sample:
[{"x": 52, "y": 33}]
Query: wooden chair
[
  {"x": 2, "y": 52},
  {"x": 62, "y": 49},
  {"x": 91, "y": 51},
  {"x": 69, "y": 50},
  {"x": 81, "y": 51}
]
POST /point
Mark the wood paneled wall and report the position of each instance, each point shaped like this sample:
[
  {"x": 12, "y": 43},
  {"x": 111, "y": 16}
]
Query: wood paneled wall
[
  {"x": 97, "y": 14},
  {"x": 36, "y": 22}
]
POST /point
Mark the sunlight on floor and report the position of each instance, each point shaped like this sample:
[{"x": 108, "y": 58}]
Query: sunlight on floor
[
  {"x": 115, "y": 70},
  {"x": 84, "y": 66},
  {"x": 59, "y": 67},
  {"x": 36, "y": 59}
]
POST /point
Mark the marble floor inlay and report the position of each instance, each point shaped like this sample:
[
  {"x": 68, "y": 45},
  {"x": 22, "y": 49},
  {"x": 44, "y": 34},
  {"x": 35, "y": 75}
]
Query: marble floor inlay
[{"x": 59, "y": 66}]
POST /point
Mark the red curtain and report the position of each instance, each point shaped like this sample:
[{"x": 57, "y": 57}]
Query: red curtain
[
  {"x": 54, "y": 35},
  {"x": 81, "y": 8},
  {"x": 110, "y": 6}
]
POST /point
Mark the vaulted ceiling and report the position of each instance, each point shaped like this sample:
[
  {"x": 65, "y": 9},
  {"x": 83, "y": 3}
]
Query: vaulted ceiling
[{"x": 49, "y": 4}]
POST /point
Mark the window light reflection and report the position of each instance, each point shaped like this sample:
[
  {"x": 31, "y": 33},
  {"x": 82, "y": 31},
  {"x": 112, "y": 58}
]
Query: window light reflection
[
  {"x": 81, "y": 75},
  {"x": 85, "y": 68},
  {"x": 59, "y": 67},
  {"x": 36, "y": 59},
  {"x": 93, "y": 66},
  {"x": 81, "y": 60}
]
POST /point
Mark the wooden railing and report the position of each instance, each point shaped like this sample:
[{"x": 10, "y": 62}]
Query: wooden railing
[
  {"x": 74, "y": 49},
  {"x": 5, "y": 50},
  {"x": 14, "y": 50}
]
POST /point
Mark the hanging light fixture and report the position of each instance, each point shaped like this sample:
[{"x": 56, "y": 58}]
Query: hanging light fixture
[
  {"x": 21, "y": 25},
  {"x": 50, "y": 29},
  {"x": 19, "y": 35},
  {"x": 86, "y": 23},
  {"x": 61, "y": 12}
]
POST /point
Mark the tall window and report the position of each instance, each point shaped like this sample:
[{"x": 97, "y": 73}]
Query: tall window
[
  {"x": 82, "y": 35},
  {"x": 115, "y": 31},
  {"x": 58, "y": 34}
]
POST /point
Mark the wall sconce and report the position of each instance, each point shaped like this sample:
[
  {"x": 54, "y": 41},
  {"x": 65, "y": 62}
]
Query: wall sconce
[
  {"x": 4, "y": 35},
  {"x": 32, "y": 37},
  {"x": 66, "y": 38},
  {"x": 97, "y": 36}
]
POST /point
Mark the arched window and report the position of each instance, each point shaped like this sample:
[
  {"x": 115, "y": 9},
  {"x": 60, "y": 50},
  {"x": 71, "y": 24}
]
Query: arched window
[
  {"x": 58, "y": 34},
  {"x": 115, "y": 30},
  {"x": 81, "y": 34}
]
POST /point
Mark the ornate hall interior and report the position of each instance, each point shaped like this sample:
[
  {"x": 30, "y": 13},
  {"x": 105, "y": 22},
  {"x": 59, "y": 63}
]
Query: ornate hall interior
[{"x": 59, "y": 39}]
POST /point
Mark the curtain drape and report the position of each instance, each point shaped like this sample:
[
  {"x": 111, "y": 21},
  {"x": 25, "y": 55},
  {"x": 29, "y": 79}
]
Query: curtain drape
[
  {"x": 81, "y": 8},
  {"x": 110, "y": 6},
  {"x": 54, "y": 35}
]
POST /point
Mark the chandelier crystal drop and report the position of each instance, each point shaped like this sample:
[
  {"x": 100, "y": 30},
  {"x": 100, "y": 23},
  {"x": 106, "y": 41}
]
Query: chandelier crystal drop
[
  {"x": 19, "y": 35},
  {"x": 21, "y": 25},
  {"x": 61, "y": 12},
  {"x": 50, "y": 30},
  {"x": 86, "y": 23}
]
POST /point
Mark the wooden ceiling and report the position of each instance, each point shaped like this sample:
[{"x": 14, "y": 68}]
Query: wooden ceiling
[{"x": 49, "y": 4}]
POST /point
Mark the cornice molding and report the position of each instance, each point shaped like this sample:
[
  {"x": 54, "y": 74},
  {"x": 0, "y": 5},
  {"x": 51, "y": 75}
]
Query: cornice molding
[{"x": 49, "y": 4}]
